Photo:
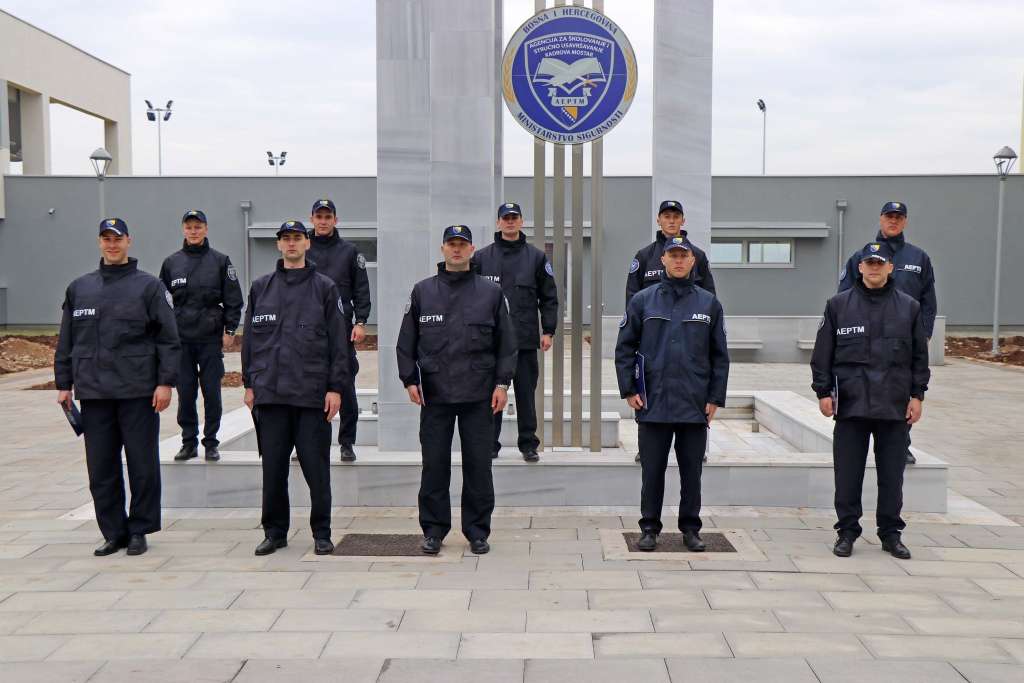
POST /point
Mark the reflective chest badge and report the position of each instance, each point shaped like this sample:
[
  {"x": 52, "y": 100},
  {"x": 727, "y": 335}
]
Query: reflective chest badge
[
  {"x": 851, "y": 330},
  {"x": 232, "y": 273},
  {"x": 179, "y": 282},
  {"x": 169, "y": 299},
  {"x": 82, "y": 313},
  {"x": 432, "y": 319}
]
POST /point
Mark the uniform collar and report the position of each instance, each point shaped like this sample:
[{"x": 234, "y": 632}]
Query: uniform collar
[
  {"x": 506, "y": 244},
  {"x": 661, "y": 237},
  {"x": 119, "y": 271},
  {"x": 896, "y": 243},
  {"x": 197, "y": 249},
  {"x": 678, "y": 286},
  {"x": 326, "y": 239},
  {"x": 873, "y": 293},
  {"x": 293, "y": 276},
  {"x": 453, "y": 277}
]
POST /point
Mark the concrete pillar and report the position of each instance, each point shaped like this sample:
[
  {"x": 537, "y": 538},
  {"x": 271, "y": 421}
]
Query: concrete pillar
[
  {"x": 682, "y": 111},
  {"x": 35, "y": 133},
  {"x": 117, "y": 139},
  {"x": 5, "y": 144},
  {"x": 437, "y": 98}
]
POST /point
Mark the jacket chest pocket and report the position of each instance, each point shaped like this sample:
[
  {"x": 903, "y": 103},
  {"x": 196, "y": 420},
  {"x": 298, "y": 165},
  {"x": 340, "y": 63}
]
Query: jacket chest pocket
[
  {"x": 897, "y": 341},
  {"x": 480, "y": 335},
  {"x": 433, "y": 337},
  {"x": 525, "y": 296},
  {"x": 85, "y": 320},
  {"x": 652, "y": 340},
  {"x": 124, "y": 327},
  {"x": 851, "y": 349},
  {"x": 262, "y": 327},
  {"x": 314, "y": 338},
  {"x": 695, "y": 335}
]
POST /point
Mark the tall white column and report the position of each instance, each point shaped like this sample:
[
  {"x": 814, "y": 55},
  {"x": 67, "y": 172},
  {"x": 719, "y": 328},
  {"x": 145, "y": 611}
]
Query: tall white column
[
  {"x": 438, "y": 161},
  {"x": 35, "y": 133},
  {"x": 683, "y": 37}
]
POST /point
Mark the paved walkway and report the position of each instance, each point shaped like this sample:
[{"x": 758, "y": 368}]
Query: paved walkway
[{"x": 545, "y": 605}]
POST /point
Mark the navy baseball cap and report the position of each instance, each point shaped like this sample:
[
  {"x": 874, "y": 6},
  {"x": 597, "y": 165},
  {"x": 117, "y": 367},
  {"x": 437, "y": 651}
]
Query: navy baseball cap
[
  {"x": 114, "y": 225},
  {"x": 194, "y": 213},
  {"x": 894, "y": 207},
  {"x": 670, "y": 205},
  {"x": 324, "y": 204},
  {"x": 509, "y": 208},
  {"x": 677, "y": 242},
  {"x": 461, "y": 232},
  {"x": 876, "y": 251},
  {"x": 291, "y": 226}
]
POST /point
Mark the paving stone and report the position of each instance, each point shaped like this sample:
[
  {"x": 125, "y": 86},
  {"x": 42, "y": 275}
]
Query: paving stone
[
  {"x": 28, "y": 648},
  {"x": 865, "y": 564},
  {"x": 596, "y": 671},
  {"x": 985, "y": 672},
  {"x": 16, "y": 583},
  {"x": 526, "y": 646},
  {"x": 213, "y": 620},
  {"x": 829, "y": 621},
  {"x": 922, "y": 584},
  {"x": 70, "y": 622},
  {"x": 979, "y": 555},
  {"x": 635, "y": 599},
  {"x": 115, "y": 563},
  {"x": 252, "y": 580},
  {"x": 976, "y": 605},
  {"x": 1011, "y": 588},
  {"x": 355, "y": 670},
  {"x": 593, "y": 620},
  {"x": 886, "y": 602},
  {"x": 216, "y": 564},
  {"x": 548, "y": 580},
  {"x": 660, "y": 645},
  {"x": 968, "y": 626},
  {"x": 338, "y": 620},
  {"x": 308, "y": 599},
  {"x": 169, "y": 671},
  {"x": 808, "y": 581},
  {"x": 466, "y": 621},
  {"x": 187, "y": 599},
  {"x": 563, "y": 563},
  {"x": 393, "y": 645},
  {"x": 678, "y": 620},
  {"x": 125, "y": 646},
  {"x": 796, "y": 645},
  {"x": 570, "y": 522},
  {"x": 458, "y": 671},
  {"x": 548, "y": 548},
  {"x": 259, "y": 646},
  {"x": 519, "y": 579},
  {"x": 525, "y": 599},
  {"x": 730, "y": 599},
  {"x": 838, "y": 671},
  {"x": 762, "y": 670},
  {"x": 696, "y": 579},
  {"x": 772, "y": 564},
  {"x": 506, "y": 535},
  {"x": 49, "y": 672},
  {"x": 411, "y": 599},
  {"x": 142, "y": 581},
  {"x": 935, "y": 647},
  {"x": 356, "y": 580},
  {"x": 60, "y": 600},
  {"x": 12, "y": 621},
  {"x": 1014, "y": 647},
  {"x": 965, "y": 569}
]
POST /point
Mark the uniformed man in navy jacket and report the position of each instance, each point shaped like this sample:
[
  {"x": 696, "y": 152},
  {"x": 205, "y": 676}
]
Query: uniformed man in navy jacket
[
  {"x": 870, "y": 373},
  {"x": 456, "y": 355},
  {"x": 912, "y": 272},
  {"x": 295, "y": 354},
  {"x": 672, "y": 365}
]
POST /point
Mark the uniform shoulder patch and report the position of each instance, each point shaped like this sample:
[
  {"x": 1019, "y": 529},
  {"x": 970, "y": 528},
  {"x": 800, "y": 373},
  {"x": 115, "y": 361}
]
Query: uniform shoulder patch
[
  {"x": 408, "y": 305},
  {"x": 622, "y": 320},
  {"x": 361, "y": 261},
  {"x": 169, "y": 299},
  {"x": 232, "y": 273},
  {"x": 548, "y": 269},
  {"x": 634, "y": 266},
  {"x": 842, "y": 274}
]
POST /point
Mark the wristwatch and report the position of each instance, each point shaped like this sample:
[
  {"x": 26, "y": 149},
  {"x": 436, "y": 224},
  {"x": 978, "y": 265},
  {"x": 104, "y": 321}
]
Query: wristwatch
[{"x": 501, "y": 386}]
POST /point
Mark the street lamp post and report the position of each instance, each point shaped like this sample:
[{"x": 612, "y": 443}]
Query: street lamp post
[
  {"x": 1004, "y": 158},
  {"x": 159, "y": 114},
  {"x": 764, "y": 130},
  {"x": 100, "y": 163},
  {"x": 276, "y": 161}
]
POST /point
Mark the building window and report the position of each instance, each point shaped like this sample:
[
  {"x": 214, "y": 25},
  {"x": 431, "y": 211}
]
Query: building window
[
  {"x": 367, "y": 246},
  {"x": 751, "y": 252}
]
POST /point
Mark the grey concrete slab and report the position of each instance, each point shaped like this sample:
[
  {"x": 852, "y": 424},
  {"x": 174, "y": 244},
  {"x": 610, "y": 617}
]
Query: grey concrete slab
[
  {"x": 68, "y": 621},
  {"x": 555, "y": 580},
  {"x": 935, "y": 647},
  {"x": 968, "y": 626},
  {"x": 465, "y": 621},
  {"x": 651, "y": 670},
  {"x": 410, "y": 599},
  {"x": 614, "y": 645},
  {"x": 922, "y": 584},
  {"x": 28, "y": 648},
  {"x": 833, "y": 671},
  {"x": 650, "y": 598},
  {"x": 526, "y": 646},
  {"x": 56, "y": 600},
  {"x": 799, "y": 620},
  {"x": 689, "y": 621},
  {"x": 528, "y": 599},
  {"x": 126, "y": 646},
  {"x": 387, "y": 578},
  {"x": 187, "y": 599},
  {"x": 213, "y": 621},
  {"x": 983, "y": 672},
  {"x": 886, "y": 602},
  {"x": 169, "y": 671},
  {"x": 337, "y": 620},
  {"x": 763, "y": 670},
  {"x": 50, "y": 672},
  {"x": 298, "y": 599},
  {"x": 393, "y": 645},
  {"x": 592, "y": 620},
  {"x": 739, "y": 580},
  {"x": 808, "y": 581},
  {"x": 259, "y": 646},
  {"x": 357, "y": 670},
  {"x": 458, "y": 671},
  {"x": 732, "y": 599},
  {"x": 796, "y": 645}
]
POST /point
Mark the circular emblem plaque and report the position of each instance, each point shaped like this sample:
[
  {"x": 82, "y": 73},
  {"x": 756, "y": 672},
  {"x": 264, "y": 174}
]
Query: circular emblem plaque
[{"x": 568, "y": 75}]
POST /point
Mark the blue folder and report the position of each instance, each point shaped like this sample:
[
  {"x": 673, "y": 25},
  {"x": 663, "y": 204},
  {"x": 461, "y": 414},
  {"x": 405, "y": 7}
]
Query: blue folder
[{"x": 638, "y": 376}]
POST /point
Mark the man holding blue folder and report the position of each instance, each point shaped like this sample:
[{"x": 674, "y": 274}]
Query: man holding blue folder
[{"x": 672, "y": 365}]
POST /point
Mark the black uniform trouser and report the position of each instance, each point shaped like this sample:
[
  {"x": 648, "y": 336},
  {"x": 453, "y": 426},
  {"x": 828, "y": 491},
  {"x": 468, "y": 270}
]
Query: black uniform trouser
[
  {"x": 655, "y": 440},
  {"x": 437, "y": 426},
  {"x": 849, "y": 458},
  {"x": 281, "y": 428},
  {"x": 111, "y": 424},
  {"x": 349, "y": 403},
  {"x": 525, "y": 382},
  {"x": 202, "y": 366}
]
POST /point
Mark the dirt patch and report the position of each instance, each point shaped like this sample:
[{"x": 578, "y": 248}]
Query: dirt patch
[
  {"x": 26, "y": 353},
  {"x": 231, "y": 379},
  {"x": 1011, "y": 349}
]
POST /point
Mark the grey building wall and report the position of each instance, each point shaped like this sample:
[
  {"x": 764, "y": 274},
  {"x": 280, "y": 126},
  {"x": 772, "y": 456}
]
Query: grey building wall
[{"x": 952, "y": 217}]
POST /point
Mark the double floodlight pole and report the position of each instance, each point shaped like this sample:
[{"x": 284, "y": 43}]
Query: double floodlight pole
[
  {"x": 159, "y": 114},
  {"x": 276, "y": 161}
]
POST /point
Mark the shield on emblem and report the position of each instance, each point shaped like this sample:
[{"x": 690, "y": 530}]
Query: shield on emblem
[{"x": 568, "y": 74}]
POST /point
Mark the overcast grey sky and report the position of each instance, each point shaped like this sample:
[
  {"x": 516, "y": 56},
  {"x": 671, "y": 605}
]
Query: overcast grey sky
[{"x": 916, "y": 86}]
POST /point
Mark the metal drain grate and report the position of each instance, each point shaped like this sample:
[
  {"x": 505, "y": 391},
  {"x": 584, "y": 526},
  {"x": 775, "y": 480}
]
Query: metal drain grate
[
  {"x": 673, "y": 542},
  {"x": 379, "y": 545}
]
